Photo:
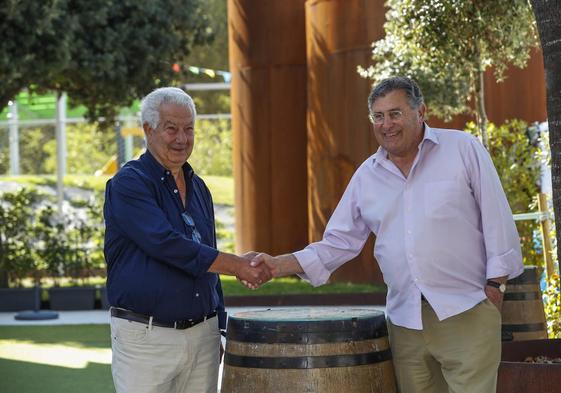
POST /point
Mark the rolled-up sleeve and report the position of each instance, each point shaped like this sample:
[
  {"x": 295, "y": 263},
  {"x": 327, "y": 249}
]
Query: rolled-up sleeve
[{"x": 502, "y": 243}]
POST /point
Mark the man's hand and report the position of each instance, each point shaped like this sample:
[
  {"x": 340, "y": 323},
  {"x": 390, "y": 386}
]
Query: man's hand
[
  {"x": 249, "y": 257},
  {"x": 253, "y": 276},
  {"x": 493, "y": 293},
  {"x": 495, "y": 296},
  {"x": 240, "y": 267}
]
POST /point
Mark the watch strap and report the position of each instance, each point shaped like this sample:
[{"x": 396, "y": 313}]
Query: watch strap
[{"x": 498, "y": 285}]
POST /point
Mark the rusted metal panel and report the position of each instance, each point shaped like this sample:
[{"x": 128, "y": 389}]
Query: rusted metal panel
[
  {"x": 339, "y": 36},
  {"x": 268, "y": 65},
  {"x": 515, "y": 375}
]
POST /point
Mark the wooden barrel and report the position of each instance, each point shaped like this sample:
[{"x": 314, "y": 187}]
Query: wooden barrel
[
  {"x": 308, "y": 350},
  {"x": 523, "y": 313}
]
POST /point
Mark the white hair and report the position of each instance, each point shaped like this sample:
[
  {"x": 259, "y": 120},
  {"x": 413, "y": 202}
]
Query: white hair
[{"x": 150, "y": 105}]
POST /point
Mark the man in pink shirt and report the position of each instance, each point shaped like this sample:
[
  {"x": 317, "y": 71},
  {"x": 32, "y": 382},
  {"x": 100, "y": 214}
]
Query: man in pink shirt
[{"x": 445, "y": 241}]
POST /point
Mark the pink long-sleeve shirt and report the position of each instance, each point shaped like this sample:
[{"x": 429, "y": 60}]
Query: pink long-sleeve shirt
[{"x": 442, "y": 231}]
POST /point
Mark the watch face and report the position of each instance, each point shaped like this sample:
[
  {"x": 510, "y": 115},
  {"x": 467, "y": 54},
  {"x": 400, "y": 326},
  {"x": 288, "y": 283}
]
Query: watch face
[{"x": 502, "y": 288}]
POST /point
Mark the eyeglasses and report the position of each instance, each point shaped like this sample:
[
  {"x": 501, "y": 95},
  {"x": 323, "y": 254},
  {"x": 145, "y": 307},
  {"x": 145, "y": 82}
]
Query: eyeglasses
[
  {"x": 188, "y": 220},
  {"x": 379, "y": 117}
]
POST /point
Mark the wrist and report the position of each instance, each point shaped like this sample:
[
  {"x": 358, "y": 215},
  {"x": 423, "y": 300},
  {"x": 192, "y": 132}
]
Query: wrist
[{"x": 500, "y": 286}]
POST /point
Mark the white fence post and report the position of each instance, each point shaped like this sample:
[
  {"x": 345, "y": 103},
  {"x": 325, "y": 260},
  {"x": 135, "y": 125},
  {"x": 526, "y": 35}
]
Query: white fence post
[
  {"x": 14, "y": 138},
  {"x": 60, "y": 147}
]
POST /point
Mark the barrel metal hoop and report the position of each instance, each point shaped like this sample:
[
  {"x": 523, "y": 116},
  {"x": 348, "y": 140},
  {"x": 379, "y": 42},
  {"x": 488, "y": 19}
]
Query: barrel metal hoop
[
  {"x": 525, "y": 327},
  {"x": 296, "y": 337},
  {"x": 522, "y": 296},
  {"x": 307, "y": 362},
  {"x": 306, "y": 332}
]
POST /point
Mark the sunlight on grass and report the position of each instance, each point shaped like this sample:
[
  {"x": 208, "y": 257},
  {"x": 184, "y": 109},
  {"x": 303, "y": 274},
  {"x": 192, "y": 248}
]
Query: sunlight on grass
[
  {"x": 53, "y": 354},
  {"x": 221, "y": 188}
]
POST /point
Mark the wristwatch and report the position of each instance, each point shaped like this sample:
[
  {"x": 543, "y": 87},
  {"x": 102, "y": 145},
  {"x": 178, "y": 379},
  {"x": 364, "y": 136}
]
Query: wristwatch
[{"x": 498, "y": 285}]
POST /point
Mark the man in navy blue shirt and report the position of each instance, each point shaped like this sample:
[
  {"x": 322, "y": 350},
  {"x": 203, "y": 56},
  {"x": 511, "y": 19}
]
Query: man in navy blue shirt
[{"x": 160, "y": 246}]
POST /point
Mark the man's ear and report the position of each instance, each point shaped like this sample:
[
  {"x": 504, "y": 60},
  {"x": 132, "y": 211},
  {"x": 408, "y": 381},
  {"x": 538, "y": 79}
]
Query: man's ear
[
  {"x": 421, "y": 112},
  {"x": 147, "y": 130}
]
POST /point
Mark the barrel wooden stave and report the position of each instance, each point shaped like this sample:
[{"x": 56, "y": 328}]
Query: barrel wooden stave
[
  {"x": 522, "y": 312},
  {"x": 349, "y": 353},
  {"x": 358, "y": 379}
]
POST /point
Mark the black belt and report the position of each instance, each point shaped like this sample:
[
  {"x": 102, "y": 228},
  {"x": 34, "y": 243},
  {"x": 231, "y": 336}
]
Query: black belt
[{"x": 135, "y": 317}]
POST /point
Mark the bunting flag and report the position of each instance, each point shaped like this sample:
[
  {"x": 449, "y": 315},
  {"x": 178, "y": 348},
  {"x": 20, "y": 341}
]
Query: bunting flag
[{"x": 200, "y": 70}]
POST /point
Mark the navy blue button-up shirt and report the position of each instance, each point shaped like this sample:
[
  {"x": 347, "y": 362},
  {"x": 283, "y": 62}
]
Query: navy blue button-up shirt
[{"x": 154, "y": 267}]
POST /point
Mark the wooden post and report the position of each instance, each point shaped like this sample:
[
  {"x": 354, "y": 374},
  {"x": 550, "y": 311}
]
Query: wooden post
[{"x": 546, "y": 232}]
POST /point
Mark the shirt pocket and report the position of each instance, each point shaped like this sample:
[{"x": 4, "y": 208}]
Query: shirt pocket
[{"x": 443, "y": 199}]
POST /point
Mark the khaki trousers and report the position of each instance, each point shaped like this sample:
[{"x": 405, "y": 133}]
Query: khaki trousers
[
  {"x": 151, "y": 359},
  {"x": 460, "y": 354}
]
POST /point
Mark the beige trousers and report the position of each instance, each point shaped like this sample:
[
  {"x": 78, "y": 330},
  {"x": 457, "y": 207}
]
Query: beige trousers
[
  {"x": 164, "y": 360},
  {"x": 460, "y": 354}
]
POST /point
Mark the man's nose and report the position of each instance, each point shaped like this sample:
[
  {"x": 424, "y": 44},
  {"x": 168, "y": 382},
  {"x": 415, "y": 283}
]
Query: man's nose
[
  {"x": 181, "y": 137},
  {"x": 387, "y": 121}
]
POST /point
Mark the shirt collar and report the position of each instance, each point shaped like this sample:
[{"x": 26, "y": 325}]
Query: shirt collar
[
  {"x": 158, "y": 171},
  {"x": 381, "y": 154}
]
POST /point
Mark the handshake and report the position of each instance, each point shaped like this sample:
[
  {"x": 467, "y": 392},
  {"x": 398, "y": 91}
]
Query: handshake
[{"x": 256, "y": 269}]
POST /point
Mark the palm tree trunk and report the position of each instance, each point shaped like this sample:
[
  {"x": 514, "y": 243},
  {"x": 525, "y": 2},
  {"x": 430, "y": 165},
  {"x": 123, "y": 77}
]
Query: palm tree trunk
[{"x": 548, "y": 18}]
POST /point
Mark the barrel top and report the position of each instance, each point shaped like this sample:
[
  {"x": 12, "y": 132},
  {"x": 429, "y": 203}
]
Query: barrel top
[{"x": 298, "y": 314}]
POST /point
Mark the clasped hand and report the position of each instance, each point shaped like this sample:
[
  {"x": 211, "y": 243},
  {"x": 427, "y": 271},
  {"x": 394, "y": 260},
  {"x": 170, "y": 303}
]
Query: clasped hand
[{"x": 256, "y": 271}]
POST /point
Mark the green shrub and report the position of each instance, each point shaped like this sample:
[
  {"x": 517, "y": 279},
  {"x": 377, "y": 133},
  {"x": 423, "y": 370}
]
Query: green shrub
[
  {"x": 552, "y": 305},
  {"x": 518, "y": 165},
  {"x": 17, "y": 260},
  {"x": 70, "y": 245}
]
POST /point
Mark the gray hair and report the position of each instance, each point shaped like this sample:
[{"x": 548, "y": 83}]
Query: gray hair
[
  {"x": 150, "y": 105},
  {"x": 409, "y": 86}
]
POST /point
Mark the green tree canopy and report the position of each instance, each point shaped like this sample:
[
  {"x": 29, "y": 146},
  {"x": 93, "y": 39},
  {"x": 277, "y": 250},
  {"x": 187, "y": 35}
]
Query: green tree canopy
[
  {"x": 103, "y": 53},
  {"x": 446, "y": 45}
]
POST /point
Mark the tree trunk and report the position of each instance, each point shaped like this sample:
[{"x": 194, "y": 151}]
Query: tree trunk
[
  {"x": 548, "y": 18},
  {"x": 479, "y": 93},
  {"x": 482, "y": 118}
]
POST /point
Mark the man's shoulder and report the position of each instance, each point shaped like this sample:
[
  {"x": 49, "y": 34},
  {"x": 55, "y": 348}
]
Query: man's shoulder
[
  {"x": 132, "y": 172},
  {"x": 453, "y": 136}
]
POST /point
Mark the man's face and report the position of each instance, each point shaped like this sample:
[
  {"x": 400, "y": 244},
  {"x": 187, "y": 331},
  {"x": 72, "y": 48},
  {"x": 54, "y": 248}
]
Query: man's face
[
  {"x": 399, "y": 128},
  {"x": 172, "y": 141}
]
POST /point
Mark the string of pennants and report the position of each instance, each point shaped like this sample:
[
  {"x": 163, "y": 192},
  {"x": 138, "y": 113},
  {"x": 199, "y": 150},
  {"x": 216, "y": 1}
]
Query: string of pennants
[{"x": 200, "y": 70}]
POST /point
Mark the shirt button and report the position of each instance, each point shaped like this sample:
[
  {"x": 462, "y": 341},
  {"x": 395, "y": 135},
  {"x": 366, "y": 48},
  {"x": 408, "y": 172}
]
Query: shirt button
[
  {"x": 175, "y": 191},
  {"x": 409, "y": 231},
  {"x": 162, "y": 178},
  {"x": 197, "y": 294},
  {"x": 167, "y": 172},
  {"x": 410, "y": 256},
  {"x": 416, "y": 280}
]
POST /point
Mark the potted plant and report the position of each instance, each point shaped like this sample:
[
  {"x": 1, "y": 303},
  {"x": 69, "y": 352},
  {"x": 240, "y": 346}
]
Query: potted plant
[{"x": 17, "y": 261}]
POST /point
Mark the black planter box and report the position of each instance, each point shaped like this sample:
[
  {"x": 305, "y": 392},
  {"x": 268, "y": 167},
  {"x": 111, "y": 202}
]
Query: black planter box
[
  {"x": 18, "y": 299},
  {"x": 72, "y": 298}
]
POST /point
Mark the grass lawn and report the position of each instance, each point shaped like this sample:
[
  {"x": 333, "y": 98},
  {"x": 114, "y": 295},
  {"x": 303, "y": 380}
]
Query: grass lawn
[
  {"x": 221, "y": 187},
  {"x": 55, "y": 359},
  {"x": 293, "y": 286},
  {"x": 232, "y": 287}
]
